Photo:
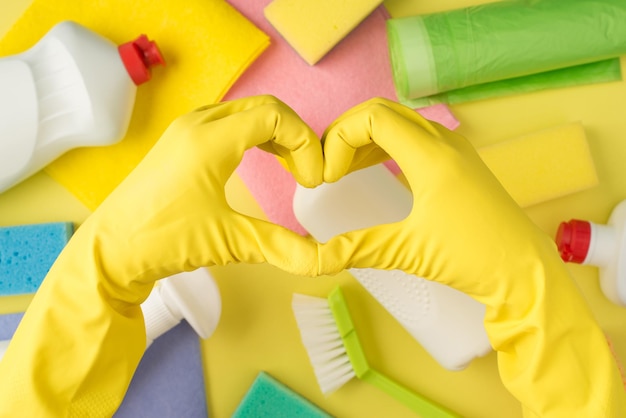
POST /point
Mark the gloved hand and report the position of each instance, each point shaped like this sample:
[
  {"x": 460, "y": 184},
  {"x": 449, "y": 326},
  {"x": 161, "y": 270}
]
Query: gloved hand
[
  {"x": 83, "y": 335},
  {"x": 465, "y": 231}
]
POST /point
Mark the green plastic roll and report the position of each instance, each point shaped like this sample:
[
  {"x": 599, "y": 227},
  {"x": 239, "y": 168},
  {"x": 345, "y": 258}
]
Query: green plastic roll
[{"x": 507, "y": 47}]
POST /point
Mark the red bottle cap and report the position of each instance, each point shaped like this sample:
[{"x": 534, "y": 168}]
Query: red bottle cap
[
  {"x": 138, "y": 56},
  {"x": 573, "y": 239}
]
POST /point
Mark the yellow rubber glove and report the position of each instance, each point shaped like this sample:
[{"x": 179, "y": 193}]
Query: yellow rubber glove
[
  {"x": 83, "y": 335},
  {"x": 466, "y": 232}
]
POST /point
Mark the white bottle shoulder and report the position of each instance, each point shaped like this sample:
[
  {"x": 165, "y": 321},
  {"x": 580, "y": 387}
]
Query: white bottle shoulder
[
  {"x": 613, "y": 275},
  {"x": 71, "y": 89}
]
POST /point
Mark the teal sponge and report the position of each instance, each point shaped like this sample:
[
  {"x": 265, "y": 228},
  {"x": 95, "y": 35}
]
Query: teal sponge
[
  {"x": 268, "y": 398},
  {"x": 27, "y": 252}
]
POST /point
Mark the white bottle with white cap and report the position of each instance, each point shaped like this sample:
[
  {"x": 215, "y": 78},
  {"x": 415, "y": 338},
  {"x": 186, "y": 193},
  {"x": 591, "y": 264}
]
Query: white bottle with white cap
[
  {"x": 446, "y": 322},
  {"x": 193, "y": 296},
  {"x": 603, "y": 246},
  {"x": 73, "y": 88}
]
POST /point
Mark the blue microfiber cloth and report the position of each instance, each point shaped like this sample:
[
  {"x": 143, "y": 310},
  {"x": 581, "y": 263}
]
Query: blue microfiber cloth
[
  {"x": 268, "y": 398},
  {"x": 27, "y": 252},
  {"x": 8, "y": 325},
  {"x": 169, "y": 381}
]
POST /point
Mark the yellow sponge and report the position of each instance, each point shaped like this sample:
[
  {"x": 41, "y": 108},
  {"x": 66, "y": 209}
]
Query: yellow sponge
[
  {"x": 543, "y": 165},
  {"x": 314, "y": 27}
]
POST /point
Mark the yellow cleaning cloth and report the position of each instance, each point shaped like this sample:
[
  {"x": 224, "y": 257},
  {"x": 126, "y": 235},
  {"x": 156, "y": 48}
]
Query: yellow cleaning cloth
[
  {"x": 206, "y": 44},
  {"x": 543, "y": 165}
]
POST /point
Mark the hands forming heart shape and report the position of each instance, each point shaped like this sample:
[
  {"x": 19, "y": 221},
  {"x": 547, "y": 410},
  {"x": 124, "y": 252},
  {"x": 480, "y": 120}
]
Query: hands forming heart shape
[
  {"x": 171, "y": 214},
  {"x": 464, "y": 230}
]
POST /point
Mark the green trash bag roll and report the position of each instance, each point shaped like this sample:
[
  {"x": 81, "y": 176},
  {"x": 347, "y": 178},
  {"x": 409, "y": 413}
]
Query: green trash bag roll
[{"x": 505, "y": 47}]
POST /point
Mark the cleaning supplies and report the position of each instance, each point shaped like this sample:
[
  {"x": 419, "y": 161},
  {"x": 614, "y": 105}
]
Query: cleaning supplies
[
  {"x": 27, "y": 252},
  {"x": 73, "y": 88},
  {"x": 336, "y": 354},
  {"x": 466, "y": 232},
  {"x": 193, "y": 296},
  {"x": 446, "y": 322},
  {"x": 543, "y": 165},
  {"x": 169, "y": 215},
  {"x": 590, "y": 243},
  {"x": 450, "y": 50},
  {"x": 269, "y": 398},
  {"x": 169, "y": 380},
  {"x": 202, "y": 72},
  {"x": 313, "y": 28}
]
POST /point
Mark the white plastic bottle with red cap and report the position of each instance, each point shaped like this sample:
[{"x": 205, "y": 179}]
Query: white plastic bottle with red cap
[
  {"x": 604, "y": 246},
  {"x": 74, "y": 88}
]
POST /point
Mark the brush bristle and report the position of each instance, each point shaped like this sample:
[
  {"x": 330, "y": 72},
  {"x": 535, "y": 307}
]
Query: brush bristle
[{"x": 322, "y": 342}]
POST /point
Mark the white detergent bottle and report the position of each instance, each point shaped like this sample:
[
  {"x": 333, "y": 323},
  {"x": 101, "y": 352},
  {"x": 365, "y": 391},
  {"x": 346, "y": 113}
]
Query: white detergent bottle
[
  {"x": 193, "y": 296},
  {"x": 445, "y": 321},
  {"x": 73, "y": 88},
  {"x": 603, "y": 246}
]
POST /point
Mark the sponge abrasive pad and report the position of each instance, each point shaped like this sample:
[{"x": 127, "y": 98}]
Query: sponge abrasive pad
[
  {"x": 268, "y": 398},
  {"x": 27, "y": 252},
  {"x": 314, "y": 27},
  {"x": 543, "y": 165}
]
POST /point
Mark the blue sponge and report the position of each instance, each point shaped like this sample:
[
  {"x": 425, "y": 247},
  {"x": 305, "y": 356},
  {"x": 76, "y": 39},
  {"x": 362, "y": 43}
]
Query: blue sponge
[
  {"x": 27, "y": 252},
  {"x": 268, "y": 398}
]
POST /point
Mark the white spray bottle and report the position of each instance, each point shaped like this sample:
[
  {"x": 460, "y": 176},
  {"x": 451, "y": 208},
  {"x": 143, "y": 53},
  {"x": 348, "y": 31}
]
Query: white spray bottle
[
  {"x": 603, "y": 246},
  {"x": 446, "y": 322},
  {"x": 73, "y": 88},
  {"x": 193, "y": 296}
]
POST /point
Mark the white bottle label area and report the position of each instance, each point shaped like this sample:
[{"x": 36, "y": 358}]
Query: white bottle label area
[
  {"x": 446, "y": 322},
  {"x": 71, "y": 89},
  {"x": 64, "y": 106},
  {"x": 18, "y": 123}
]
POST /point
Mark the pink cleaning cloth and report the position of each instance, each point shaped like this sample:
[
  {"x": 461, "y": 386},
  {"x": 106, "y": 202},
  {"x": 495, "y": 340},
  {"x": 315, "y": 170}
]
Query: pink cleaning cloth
[{"x": 357, "y": 69}]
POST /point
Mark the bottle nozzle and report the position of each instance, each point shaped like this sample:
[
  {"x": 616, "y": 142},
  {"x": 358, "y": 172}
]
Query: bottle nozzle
[
  {"x": 139, "y": 56},
  {"x": 193, "y": 296},
  {"x": 573, "y": 239}
]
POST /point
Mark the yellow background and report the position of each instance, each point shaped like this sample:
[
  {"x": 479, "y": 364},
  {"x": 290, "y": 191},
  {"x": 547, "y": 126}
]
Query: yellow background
[{"x": 257, "y": 330}]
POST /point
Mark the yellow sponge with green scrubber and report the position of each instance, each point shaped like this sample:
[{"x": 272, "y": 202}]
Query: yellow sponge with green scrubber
[
  {"x": 543, "y": 165},
  {"x": 314, "y": 27}
]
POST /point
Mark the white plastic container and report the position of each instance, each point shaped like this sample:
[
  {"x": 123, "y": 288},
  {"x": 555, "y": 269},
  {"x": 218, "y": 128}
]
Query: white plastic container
[
  {"x": 446, "y": 322},
  {"x": 73, "y": 88},
  {"x": 4, "y": 344},
  {"x": 193, "y": 296},
  {"x": 604, "y": 246}
]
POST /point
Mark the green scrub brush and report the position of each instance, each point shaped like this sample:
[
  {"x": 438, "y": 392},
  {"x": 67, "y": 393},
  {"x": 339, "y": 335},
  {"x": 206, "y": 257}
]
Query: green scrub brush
[{"x": 336, "y": 354}]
